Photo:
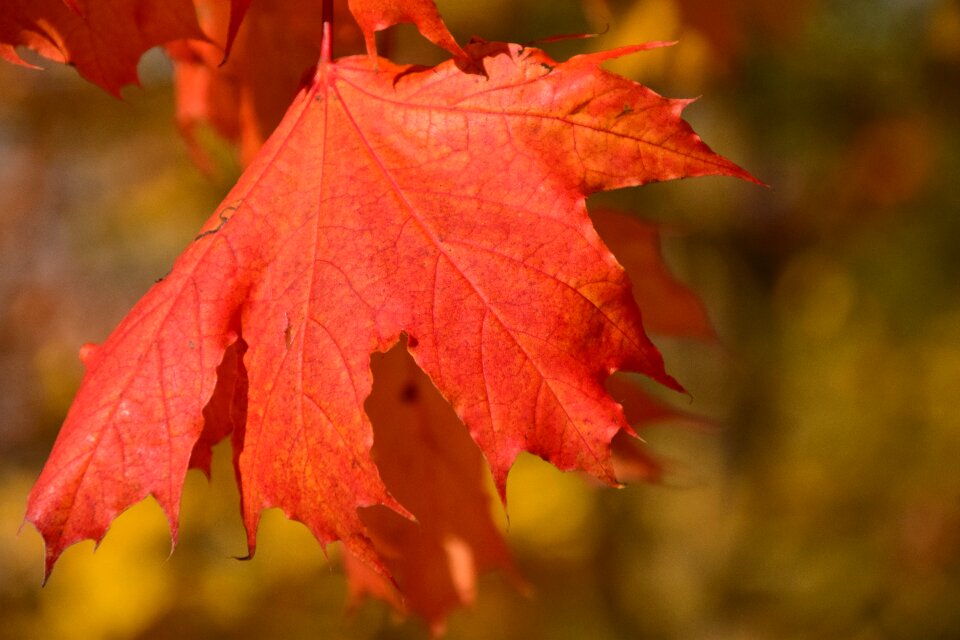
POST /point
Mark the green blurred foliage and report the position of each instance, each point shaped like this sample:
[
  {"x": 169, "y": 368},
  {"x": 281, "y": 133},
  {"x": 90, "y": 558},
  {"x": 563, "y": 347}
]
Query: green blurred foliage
[{"x": 826, "y": 505}]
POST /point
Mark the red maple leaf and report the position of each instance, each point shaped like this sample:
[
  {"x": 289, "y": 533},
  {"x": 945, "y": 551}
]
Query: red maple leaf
[
  {"x": 445, "y": 205},
  {"x": 103, "y": 39}
]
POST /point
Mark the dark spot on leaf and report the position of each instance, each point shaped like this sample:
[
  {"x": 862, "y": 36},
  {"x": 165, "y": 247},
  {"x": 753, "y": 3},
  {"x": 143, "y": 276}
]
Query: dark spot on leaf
[
  {"x": 410, "y": 393},
  {"x": 288, "y": 335}
]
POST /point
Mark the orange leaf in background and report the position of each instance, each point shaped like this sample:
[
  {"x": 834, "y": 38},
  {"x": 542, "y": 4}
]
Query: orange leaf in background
[
  {"x": 445, "y": 205},
  {"x": 430, "y": 464},
  {"x": 103, "y": 39},
  {"x": 377, "y": 15},
  {"x": 226, "y": 412},
  {"x": 245, "y": 97},
  {"x": 669, "y": 307}
]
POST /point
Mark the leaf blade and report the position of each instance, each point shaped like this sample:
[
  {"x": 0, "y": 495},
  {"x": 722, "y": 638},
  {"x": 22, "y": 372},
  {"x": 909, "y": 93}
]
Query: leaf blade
[{"x": 445, "y": 205}]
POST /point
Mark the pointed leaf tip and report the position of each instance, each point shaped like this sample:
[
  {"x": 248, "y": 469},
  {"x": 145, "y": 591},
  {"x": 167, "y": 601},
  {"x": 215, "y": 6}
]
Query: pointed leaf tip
[
  {"x": 238, "y": 11},
  {"x": 599, "y": 57}
]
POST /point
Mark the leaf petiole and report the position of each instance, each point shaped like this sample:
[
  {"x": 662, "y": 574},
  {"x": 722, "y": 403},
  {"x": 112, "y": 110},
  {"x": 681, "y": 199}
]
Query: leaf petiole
[{"x": 326, "y": 43}]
